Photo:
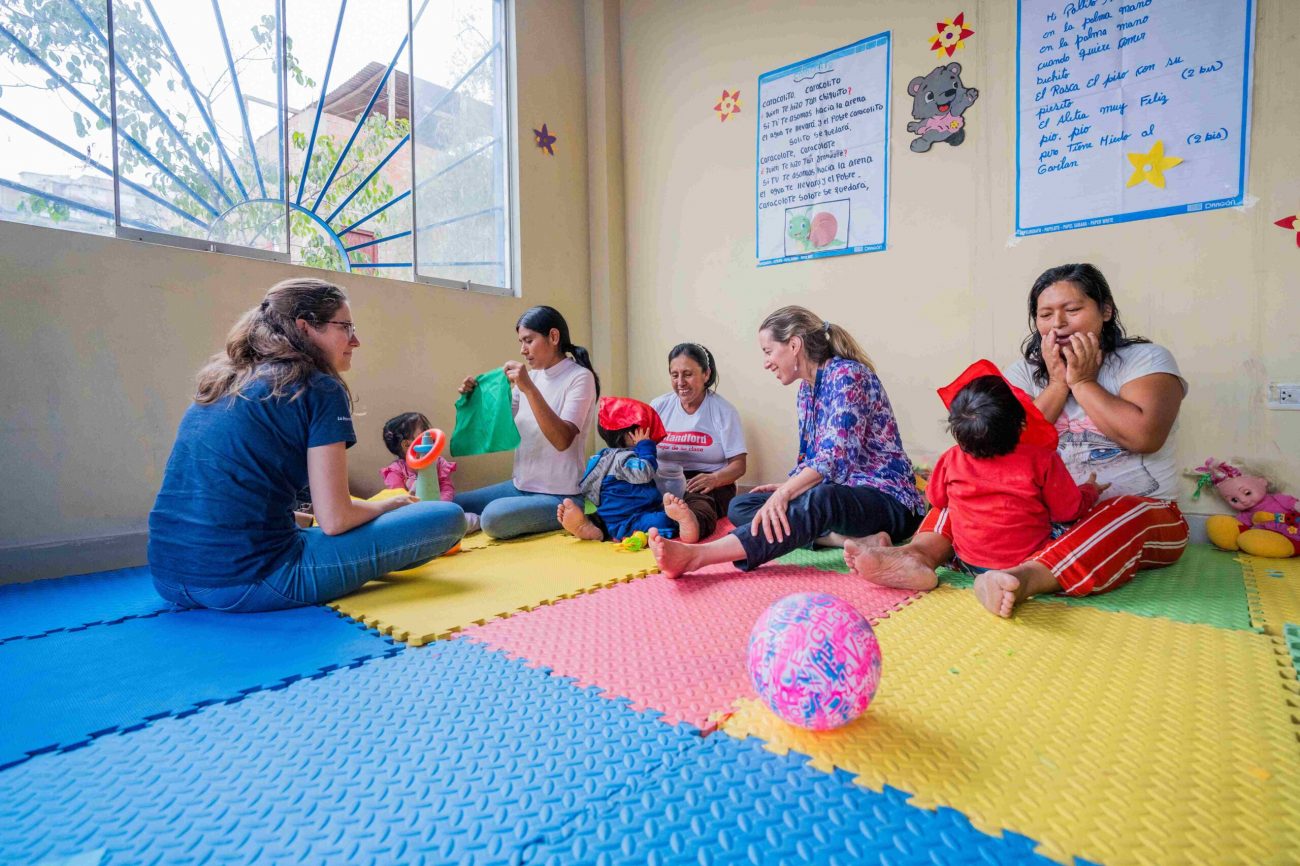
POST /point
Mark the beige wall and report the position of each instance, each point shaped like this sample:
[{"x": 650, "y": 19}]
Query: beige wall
[
  {"x": 101, "y": 337},
  {"x": 1219, "y": 289}
]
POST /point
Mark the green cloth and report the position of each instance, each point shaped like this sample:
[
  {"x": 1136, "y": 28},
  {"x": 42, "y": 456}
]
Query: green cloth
[{"x": 484, "y": 421}]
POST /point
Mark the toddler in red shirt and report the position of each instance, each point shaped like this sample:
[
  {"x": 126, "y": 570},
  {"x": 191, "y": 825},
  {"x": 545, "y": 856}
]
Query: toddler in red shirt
[{"x": 1004, "y": 485}]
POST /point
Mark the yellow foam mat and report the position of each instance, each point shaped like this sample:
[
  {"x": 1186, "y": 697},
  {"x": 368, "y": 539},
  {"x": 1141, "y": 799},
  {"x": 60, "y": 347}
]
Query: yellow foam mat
[
  {"x": 488, "y": 580},
  {"x": 1115, "y": 738},
  {"x": 1272, "y": 592}
]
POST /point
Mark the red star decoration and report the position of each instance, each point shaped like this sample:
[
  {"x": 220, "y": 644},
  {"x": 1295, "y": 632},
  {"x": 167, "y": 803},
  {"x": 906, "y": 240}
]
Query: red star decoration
[
  {"x": 951, "y": 34},
  {"x": 728, "y": 105},
  {"x": 544, "y": 139},
  {"x": 1289, "y": 223}
]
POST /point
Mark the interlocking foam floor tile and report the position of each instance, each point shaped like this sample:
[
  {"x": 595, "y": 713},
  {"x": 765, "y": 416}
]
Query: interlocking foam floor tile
[
  {"x": 44, "y": 606},
  {"x": 455, "y": 754},
  {"x": 66, "y": 688},
  {"x": 1116, "y": 738},
  {"x": 1273, "y": 586},
  {"x": 1205, "y": 586},
  {"x": 677, "y": 646},
  {"x": 1293, "y": 646},
  {"x": 497, "y": 580}
]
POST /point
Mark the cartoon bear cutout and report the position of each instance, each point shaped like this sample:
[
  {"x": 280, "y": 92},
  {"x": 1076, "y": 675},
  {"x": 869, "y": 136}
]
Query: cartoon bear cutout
[{"x": 938, "y": 102}]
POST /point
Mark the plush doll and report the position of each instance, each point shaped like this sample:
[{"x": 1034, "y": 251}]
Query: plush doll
[{"x": 1266, "y": 523}]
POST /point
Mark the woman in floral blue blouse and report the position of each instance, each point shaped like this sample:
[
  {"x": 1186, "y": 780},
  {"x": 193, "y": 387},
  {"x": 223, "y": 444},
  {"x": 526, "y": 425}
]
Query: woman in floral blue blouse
[{"x": 852, "y": 477}]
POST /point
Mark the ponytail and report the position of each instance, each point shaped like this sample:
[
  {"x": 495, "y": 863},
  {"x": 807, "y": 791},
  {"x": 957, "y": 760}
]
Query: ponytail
[
  {"x": 822, "y": 340},
  {"x": 583, "y": 359},
  {"x": 543, "y": 320}
]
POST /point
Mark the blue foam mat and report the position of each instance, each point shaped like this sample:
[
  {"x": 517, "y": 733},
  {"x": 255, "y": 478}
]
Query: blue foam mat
[
  {"x": 456, "y": 754},
  {"x": 65, "y": 688},
  {"x": 44, "y": 606}
]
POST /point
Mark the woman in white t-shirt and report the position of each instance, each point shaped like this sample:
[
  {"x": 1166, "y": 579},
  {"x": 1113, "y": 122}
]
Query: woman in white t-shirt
[
  {"x": 704, "y": 436},
  {"x": 553, "y": 401},
  {"x": 1114, "y": 400}
]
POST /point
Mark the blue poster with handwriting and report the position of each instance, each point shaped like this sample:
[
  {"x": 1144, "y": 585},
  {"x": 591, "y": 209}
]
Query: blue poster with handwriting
[
  {"x": 1130, "y": 109},
  {"x": 823, "y": 156}
]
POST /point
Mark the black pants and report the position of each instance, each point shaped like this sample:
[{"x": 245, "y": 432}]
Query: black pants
[
  {"x": 708, "y": 507},
  {"x": 825, "y": 508}
]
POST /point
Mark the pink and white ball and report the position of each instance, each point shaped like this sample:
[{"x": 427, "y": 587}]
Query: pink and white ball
[{"x": 814, "y": 660}]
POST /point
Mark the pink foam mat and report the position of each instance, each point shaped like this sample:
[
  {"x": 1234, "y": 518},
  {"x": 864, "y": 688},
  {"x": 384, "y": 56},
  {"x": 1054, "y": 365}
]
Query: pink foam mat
[{"x": 676, "y": 646}]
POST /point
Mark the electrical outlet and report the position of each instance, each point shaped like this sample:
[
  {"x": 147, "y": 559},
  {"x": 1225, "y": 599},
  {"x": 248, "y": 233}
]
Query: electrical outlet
[{"x": 1283, "y": 395}]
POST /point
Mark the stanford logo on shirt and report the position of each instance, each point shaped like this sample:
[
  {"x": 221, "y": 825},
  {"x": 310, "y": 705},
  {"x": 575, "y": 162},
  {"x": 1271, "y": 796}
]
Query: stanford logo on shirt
[{"x": 687, "y": 439}]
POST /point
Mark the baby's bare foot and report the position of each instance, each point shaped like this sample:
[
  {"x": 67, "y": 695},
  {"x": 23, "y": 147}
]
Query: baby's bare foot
[
  {"x": 883, "y": 565},
  {"x": 575, "y": 521},
  {"x": 997, "y": 591},
  {"x": 673, "y": 557},
  {"x": 688, "y": 525}
]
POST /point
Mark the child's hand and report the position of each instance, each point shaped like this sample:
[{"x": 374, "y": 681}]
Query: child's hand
[
  {"x": 1092, "y": 479},
  {"x": 640, "y": 434},
  {"x": 467, "y": 386}
]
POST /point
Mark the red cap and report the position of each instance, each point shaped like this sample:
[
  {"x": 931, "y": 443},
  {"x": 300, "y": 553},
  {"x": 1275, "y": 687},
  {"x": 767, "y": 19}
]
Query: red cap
[
  {"x": 616, "y": 413},
  {"x": 1037, "y": 430}
]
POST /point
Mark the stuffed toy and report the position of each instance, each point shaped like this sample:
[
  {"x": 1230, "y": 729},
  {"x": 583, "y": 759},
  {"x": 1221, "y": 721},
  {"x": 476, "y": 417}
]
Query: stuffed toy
[{"x": 1267, "y": 523}]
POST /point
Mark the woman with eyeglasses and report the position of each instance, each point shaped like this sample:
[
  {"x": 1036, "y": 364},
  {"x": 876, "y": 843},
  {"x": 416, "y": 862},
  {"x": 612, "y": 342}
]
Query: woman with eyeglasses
[{"x": 271, "y": 415}]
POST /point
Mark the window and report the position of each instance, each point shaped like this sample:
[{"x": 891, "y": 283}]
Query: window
[{"x": 369, "y": 136}]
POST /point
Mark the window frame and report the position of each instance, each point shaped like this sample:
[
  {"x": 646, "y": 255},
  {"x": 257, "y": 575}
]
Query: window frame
[{"x": 510, "y": 174}]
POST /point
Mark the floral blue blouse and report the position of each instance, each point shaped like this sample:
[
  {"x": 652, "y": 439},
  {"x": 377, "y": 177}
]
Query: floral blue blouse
[{"x": 847, "y": 432}]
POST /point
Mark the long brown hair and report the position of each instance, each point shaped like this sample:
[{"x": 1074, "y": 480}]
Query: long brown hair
[
  {"x": 266, "y": 343},
  {"x": 822, "y": 340}
]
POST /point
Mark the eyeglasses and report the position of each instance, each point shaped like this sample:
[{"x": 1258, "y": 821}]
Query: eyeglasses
[{"x": 347, "y": 326}]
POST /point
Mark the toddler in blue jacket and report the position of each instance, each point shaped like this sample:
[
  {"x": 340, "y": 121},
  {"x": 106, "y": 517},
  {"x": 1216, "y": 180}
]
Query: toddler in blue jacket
[{"x": 620, "y": 480}]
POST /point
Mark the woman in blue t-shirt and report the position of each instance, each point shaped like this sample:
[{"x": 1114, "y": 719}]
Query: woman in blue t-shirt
[{"x": 272, "y": 415}]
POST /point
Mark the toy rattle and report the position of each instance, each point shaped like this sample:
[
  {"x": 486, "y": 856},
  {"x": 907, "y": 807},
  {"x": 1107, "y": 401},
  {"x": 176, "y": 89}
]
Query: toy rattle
[{"x": 423, "y": 454}]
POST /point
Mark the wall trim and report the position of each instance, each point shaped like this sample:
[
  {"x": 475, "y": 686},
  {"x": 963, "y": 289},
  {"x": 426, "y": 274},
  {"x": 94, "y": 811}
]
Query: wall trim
[{"x": 26, "y": 562}]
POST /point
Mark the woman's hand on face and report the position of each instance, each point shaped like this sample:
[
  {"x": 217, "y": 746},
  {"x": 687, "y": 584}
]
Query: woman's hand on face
[
  {"x": 1083, "y": 358},
  {"x": 468, "y": 385},
  {"x": 771, "y": 519},
  {"x": 1054, "y": 360},
  {"x": 702, "y": 483},
  {"x": 517, "y": 373}
]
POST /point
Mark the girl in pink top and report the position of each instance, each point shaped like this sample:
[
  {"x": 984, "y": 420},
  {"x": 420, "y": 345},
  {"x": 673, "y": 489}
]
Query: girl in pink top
[{"x": 399, "y": 433}]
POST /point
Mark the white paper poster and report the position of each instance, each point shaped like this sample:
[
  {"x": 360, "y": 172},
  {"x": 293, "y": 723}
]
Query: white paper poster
[
  {"x": 1130, "y": 109},
  {"x": 823, "y": 156}
]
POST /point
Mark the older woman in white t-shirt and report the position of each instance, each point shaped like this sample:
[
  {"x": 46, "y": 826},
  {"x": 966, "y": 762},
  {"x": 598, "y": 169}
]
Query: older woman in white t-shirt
[
  {"x": 553, "y": 401},
  {"x": 704, "y": 436},
  {"x": 1114, "y": 400}
]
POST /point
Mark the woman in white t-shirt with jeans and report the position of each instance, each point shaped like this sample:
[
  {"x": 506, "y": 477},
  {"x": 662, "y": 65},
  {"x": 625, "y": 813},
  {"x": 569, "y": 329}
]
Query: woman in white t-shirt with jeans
[
  {"x": 553, "y": 401},
  {"x": 1114, "y": 400},
  {"x": 704, "y": 436}
]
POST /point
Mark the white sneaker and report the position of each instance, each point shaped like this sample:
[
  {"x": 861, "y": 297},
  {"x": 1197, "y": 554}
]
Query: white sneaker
[{"x": 471, "y": 523}]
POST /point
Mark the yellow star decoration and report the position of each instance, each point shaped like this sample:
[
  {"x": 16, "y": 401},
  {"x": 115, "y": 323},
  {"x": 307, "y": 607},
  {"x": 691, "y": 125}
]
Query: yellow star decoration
[{"x": 1151, "y": 166}]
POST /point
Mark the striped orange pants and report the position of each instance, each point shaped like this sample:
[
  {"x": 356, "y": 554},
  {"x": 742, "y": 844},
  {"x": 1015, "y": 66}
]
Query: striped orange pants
[{"x": 1106, "y": 547}]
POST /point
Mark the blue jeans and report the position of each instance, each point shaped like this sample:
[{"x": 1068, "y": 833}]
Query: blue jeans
[
  {"x": 332, "y": 566},
  {"x": 508, "y": 512}
]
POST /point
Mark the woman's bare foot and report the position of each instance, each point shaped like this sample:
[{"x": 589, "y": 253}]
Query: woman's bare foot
[
  {"x": 575, "y": 522},
  {"x": 674, "y": 558},
  {"x": 688, "y": 525},
  {"x": 895, "y": 567},
  {"x": 998, "y": 591}
]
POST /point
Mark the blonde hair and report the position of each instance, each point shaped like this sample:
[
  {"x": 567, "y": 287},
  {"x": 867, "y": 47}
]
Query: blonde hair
[
  {"x": 266, "y": 343},
  {"x": 822, "y": 340}
]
